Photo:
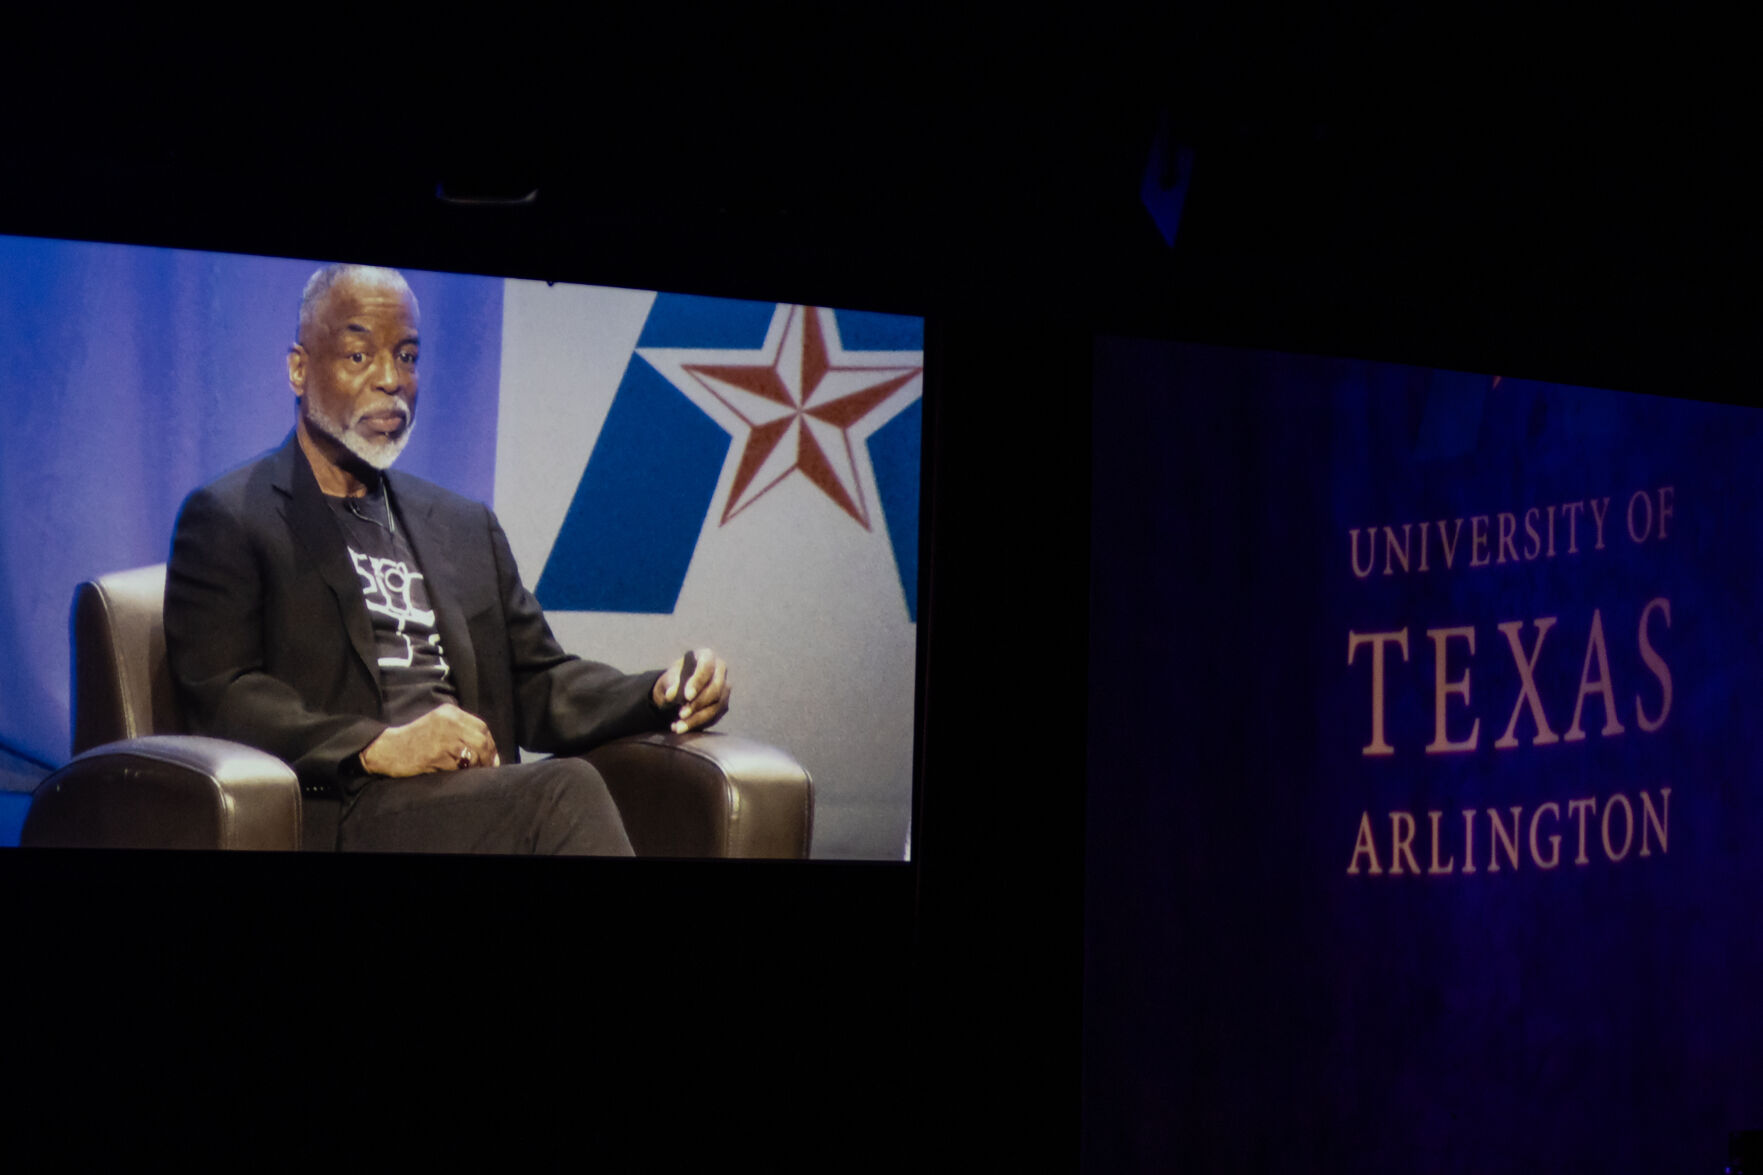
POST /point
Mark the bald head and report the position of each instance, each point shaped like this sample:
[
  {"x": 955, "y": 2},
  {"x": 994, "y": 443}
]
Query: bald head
[{"x": 315, "y": 298}]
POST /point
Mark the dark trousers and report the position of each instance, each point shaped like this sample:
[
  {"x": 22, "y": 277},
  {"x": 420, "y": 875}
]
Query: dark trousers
[{"x": 552, "y": 806}]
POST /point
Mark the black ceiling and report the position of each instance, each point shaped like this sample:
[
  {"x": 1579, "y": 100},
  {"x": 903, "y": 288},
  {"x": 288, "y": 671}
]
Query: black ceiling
[{"x": 1366, "y": 182}]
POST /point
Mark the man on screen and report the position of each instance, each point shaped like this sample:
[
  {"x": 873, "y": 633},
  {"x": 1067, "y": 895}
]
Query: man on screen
[{"x": 371, "y": 629}]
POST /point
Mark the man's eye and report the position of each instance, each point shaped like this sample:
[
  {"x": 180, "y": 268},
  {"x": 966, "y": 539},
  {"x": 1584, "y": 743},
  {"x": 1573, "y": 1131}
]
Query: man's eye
[
  {"x": 357, "y": 357},
  {"x": 408, "y": 358}
]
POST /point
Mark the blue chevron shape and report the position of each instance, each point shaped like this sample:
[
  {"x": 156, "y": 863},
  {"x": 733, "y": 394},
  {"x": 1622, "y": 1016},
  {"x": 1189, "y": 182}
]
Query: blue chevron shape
[
  {"x": 894, "y": 455},
  {"x": 628, "y": 537}
]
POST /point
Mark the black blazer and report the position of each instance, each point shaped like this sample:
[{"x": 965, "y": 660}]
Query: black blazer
[{"x": 270, "y": 643}]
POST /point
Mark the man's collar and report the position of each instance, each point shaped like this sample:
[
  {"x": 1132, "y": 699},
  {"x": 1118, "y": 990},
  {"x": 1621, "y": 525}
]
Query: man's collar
[
  {"x": 284, "y": 463},
  {"x": 289, "y": 462}
]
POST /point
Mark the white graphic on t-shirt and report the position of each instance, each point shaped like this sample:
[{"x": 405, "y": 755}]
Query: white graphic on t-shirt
[{"x": 386, "y": 586}]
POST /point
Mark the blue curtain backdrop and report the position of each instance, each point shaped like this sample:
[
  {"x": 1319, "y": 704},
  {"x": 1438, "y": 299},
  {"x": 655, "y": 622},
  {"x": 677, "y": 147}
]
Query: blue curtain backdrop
[
  {"x": 1253, "y": 1001},
  {"x": 128, "y": 377}
]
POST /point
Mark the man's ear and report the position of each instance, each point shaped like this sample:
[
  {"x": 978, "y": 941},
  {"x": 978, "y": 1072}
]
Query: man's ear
[{"x": 297, "y": 370}]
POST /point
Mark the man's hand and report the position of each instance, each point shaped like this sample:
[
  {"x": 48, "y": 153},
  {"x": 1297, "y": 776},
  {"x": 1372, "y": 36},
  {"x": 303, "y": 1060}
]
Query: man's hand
[
  {"x": 701, "y": 698},
  {"x": 444, "y": 739}
]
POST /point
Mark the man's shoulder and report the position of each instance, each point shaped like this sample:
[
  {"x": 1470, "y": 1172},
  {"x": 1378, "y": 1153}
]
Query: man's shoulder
[
  {"x": 413, "y": 492},
  {"x": 243, "y": 482}
]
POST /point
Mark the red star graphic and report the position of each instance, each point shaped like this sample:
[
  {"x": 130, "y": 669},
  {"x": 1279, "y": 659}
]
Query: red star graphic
[{"x": 800, "y": 409}]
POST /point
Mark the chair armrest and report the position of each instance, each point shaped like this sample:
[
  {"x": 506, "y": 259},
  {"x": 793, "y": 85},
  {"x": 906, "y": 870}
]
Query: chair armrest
[
  {"x": 167, "y": 792},
  {"x": 708, "y": 795}
]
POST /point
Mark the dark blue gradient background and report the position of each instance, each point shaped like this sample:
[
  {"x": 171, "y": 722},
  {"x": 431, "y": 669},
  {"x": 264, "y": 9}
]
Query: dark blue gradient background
[{"x": 1250, "y": 1005}]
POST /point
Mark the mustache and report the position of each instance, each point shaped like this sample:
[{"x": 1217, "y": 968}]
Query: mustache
[{"x": 399, "y": 407}]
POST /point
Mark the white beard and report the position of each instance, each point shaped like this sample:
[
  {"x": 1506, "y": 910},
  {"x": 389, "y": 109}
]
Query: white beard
[{"x": 377, "y": 453}]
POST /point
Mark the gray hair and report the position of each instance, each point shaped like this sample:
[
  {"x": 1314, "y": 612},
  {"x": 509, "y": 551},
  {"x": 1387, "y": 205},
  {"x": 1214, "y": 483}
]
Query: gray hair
[{"x": 318, "y": 290}]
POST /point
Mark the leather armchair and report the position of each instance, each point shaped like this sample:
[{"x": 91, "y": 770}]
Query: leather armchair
[{"x": 138, "y": 780}]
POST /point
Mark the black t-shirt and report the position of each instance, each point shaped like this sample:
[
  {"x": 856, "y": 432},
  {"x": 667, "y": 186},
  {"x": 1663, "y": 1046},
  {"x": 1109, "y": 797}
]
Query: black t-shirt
[{"x": 414, "y": 676}]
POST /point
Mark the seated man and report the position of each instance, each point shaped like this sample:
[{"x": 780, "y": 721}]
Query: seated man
[{"x": 371, "y": 629}]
